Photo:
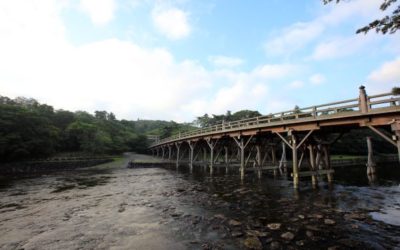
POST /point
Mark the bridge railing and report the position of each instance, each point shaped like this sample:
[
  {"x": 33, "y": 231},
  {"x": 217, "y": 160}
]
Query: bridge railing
[
  {"x": 382, "y": 101},
  {"x": 374, "y": 103}
]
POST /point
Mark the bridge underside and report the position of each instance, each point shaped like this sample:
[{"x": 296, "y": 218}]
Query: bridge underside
[
  {"x": 260, "y": 143},
  {"x": 306, "y": 145}
]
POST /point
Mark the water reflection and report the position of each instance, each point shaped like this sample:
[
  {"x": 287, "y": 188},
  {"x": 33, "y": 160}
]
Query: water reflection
[{"x": 168, "y": 209}]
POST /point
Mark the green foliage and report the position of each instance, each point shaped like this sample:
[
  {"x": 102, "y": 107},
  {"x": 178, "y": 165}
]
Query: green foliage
[
  {"x": 206, "y": 120},
  {"x": 29, "y": 130},
  {"x": 26, "y": 132},
  {"x": 296, "y": 110},
  {"x": 396, "y": 91},
  {"x": 354, "y": 143},
  {"x": 387, "y": 24}
]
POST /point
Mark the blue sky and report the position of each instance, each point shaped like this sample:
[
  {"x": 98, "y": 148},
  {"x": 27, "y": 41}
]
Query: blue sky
[{"x": 178, "y": 59}]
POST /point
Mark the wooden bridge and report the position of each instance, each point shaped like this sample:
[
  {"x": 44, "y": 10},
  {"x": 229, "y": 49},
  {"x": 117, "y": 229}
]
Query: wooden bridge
[{"x": 255, "y": 143}]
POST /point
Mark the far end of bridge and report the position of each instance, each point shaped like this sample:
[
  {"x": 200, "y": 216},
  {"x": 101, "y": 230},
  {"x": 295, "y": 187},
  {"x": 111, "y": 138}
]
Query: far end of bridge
[{"x": 259, "y": 144}]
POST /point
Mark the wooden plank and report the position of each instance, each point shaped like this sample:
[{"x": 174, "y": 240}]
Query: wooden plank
[
  {"x": 317, "y": 172},
  {"x": 251, "y": 132}
]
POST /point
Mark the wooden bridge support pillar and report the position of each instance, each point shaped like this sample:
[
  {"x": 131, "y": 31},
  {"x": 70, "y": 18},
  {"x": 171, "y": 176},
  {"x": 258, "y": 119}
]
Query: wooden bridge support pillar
[
  {"x": 273, "y": 156},
  {"x": 169, "y": 152},
  {"x": 395, "y": 140},
  {"x": 396, "y": 129},
  {"x": 226, "y": 159},
  {"x": 313, "y": 165},
  {"x": 204, "y": 155},
  {"x": 211, "y": 144},
  {"x": 242, "y": 146},
  {"x": 283, "y": 161},
  {"x": 294, "y": 145},
  {"x": 258, "y": 161},
  {"x": 191, "y": 153},
  {"x": 178, "y": 146},
  {"x": 295, "y": 161},
  {"x": 327, "y": 161},
  {"x": 371, "y": 163},
  {"x": 162, "y": 152}
]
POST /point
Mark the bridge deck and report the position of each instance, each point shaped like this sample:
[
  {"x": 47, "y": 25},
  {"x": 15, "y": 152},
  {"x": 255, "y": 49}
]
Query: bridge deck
[
  {"x": 310, "y": 133},
  {"x": 381, "y": 110}
]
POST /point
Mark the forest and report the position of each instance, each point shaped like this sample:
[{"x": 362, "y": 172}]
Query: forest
[{"x": 31, "y": 130}]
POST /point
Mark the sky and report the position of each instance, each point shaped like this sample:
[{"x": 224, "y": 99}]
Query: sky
[{"x": 179, "y": 59}]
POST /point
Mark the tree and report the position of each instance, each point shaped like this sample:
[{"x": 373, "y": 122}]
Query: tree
[
  {"x": 389, "y": 23},
  {"x": 296, "y": 110}
]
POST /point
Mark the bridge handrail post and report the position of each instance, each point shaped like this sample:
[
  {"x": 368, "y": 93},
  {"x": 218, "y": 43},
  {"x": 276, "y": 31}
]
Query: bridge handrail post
[{"x": 363, "y": 100}]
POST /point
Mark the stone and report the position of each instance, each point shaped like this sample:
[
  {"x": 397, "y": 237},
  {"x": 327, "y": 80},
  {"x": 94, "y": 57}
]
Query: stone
[
  {"x": 301, "y": 216},
  {"x": 288, "y": 236},
  {"x": 235, "y": 223},
  {"x": 252, "y": 243},
  {"x": 237, "y": 234},
  {"x": 313, "y": 228},
  {"x": 275, "y": 245},
  {"x": 355, "y": 216},
  {"x": 349, "y": 243},
  {"x": 309, "y": 234},
  {"x": 256, "y": 233},
  {"x": 333, "y": 248},
  {"x": 220, "y": 216},
  {"x": 317, "y": 216},
  {"x": 354, "y": 226},
  {"x": 300, "y": 243},
  {"x": 329, "y": 222},
  {"x": 274, "y": 226}
]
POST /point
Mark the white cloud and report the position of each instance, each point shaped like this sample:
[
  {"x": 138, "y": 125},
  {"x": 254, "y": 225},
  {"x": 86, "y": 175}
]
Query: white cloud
[
  {"x": 342, "y": 46},
  {"x": 120, "y": 76},
  {"x": 172, "y": 22},
  {"x": 299, "y": 35},
  {"x": 270, "y": 71},
  {"x": 294, "y": 38},
  {"x": 99, "y": 11},
  {"x": 225, "y": 61},
  {"x": 384, "y": 78},
  {"x": 295, "y": 85},
  {"x": 317, "y": 79}
]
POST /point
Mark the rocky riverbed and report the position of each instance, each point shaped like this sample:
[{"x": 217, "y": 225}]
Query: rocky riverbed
[{"x": 112, "y": 207}]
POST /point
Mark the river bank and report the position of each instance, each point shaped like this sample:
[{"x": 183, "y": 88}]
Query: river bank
[{"x": 112, "y": 207}]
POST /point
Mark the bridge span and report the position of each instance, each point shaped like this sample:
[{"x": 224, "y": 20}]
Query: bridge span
[{"x": 260, "y": 143}]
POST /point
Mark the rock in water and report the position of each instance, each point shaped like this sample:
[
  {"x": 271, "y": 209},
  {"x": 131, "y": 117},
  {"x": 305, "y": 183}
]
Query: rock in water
[
  {"x": 237, "y": 234},
  {"x": 252, "y": 243},
  {"x": 329, "y": 222},
  {"x": 235, "y": 223},
  {"x": 274, "y": 226},
  {"x": 275, "y": 245},
  {"x": 288, "y": 236},
  {"x": 220, "y": 216}
]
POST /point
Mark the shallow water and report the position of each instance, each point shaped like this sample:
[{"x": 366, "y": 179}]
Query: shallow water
[{"x": 112, "y": 207}]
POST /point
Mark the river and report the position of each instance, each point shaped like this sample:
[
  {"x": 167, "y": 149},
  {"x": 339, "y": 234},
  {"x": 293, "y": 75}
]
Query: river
[{"x": 113, "y": 207}]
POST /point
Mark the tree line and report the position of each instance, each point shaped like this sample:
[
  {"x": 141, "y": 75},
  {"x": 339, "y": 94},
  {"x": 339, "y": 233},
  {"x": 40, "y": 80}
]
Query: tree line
[{"x": 29, "y": 129}]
